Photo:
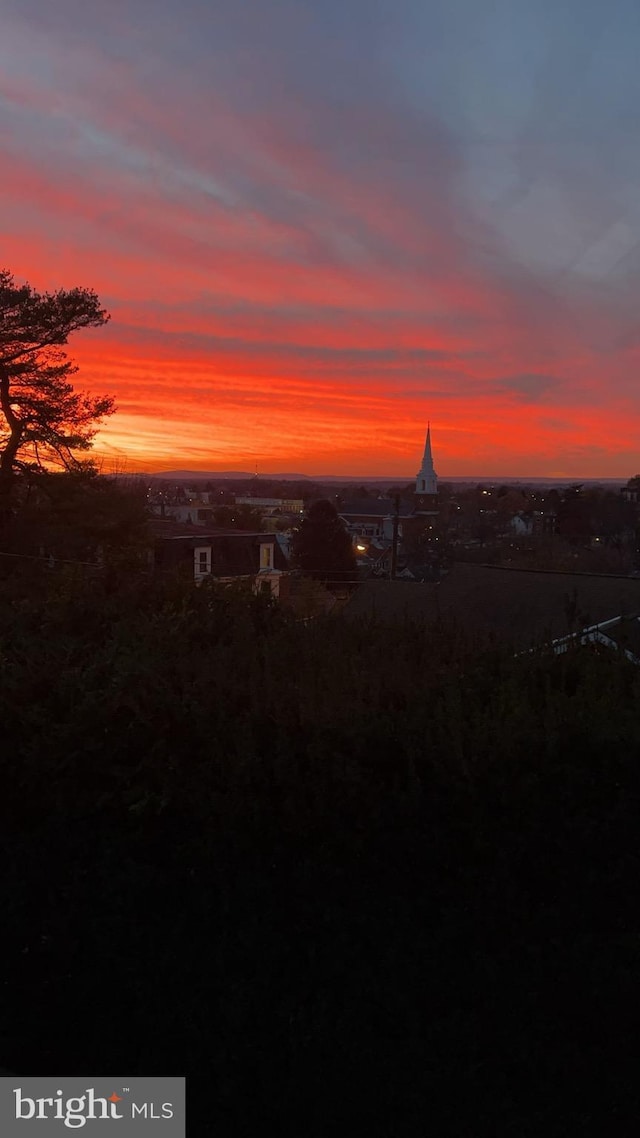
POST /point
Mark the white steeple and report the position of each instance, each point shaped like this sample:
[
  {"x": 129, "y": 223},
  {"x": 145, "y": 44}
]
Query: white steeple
[{"x": 427, "y": 479}]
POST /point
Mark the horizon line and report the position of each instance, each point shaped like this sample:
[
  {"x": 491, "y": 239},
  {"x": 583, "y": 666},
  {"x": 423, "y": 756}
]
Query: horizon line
[{"x": 240, "y": 474}]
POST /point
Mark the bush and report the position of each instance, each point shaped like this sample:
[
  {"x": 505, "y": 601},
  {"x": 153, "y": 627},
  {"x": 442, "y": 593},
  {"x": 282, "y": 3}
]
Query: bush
[{"x": 313, "y": 864}]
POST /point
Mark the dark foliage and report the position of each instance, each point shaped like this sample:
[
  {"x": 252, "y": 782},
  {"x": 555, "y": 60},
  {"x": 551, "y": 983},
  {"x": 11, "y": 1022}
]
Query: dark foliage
[
  {"x": 79, "y": 515},
  {"x": 43, "y": 420},
  {"x": 348, "y": 879},
  {"x": 322, "y": 548}
]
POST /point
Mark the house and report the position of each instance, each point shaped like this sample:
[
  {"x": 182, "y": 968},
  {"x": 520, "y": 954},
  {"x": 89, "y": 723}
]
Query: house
[
  {"x": 373, "y": 555},
  {"x": 188, "y": 513},
  {"x": 522, "y": 524},
  {"x": 369, "y": 518},
  {"x": 273, "y": 506},
  {"x": 221, "y": 554},
  {"x": 631, "y": 492}
]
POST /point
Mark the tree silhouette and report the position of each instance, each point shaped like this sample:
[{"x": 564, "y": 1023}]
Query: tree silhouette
[
  {"x": 322, "y": 548},
  {"x": 43, "y": 420}
]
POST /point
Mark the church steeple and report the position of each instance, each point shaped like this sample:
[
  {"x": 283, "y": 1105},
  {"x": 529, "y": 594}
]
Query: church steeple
[
  {"x": 426, "y": 478},
  {"x": 427, "y": 458},
  {"x": 423, "y": 540}
]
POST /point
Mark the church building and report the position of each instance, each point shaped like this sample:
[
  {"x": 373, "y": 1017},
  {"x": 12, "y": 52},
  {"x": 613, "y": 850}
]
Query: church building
[
  {"x": 421, "y": 524},
  {"x": 426, "y": 501},
  {"x": 422, "y": 544},
  {"x": 410, "y": 529}
]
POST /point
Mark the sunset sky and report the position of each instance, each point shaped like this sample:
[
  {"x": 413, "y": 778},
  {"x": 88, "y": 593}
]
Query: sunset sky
[{"x": 317, "y": 225}]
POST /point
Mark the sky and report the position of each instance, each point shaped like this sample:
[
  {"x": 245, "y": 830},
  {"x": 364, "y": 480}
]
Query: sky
[{"x": 319, "y": 225}]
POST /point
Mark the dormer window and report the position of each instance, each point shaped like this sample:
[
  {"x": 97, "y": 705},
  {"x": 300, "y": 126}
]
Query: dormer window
[
  {"x": 202, "y": 560},
  {"x": 266, "y": 556}
]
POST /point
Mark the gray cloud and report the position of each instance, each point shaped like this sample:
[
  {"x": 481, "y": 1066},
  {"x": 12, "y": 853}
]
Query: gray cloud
[{"x": 531, "y": 388}]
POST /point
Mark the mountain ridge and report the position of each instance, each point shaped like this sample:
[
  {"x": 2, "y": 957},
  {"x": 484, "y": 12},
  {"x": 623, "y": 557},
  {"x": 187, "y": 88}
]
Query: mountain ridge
[{"x": 503, "y": 479}]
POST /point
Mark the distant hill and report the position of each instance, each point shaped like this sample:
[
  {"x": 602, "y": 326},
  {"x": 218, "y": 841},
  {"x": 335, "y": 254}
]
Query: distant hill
[
  {"x": 209, "y": 475},
  {"x": 212, "y": 475},
  {"x": 466, "y": 479}
]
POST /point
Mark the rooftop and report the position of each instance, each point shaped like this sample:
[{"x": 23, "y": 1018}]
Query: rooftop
[
  {"x": 370, "y": 507},
  {"x": 169, "y": 528},
  {"x": 520, "y": 606}
]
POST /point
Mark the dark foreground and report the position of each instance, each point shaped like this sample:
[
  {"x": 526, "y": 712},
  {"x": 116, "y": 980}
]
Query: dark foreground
[{"x": 347, "y": 880}]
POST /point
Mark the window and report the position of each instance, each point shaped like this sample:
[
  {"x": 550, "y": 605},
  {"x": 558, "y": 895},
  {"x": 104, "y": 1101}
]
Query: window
[
  {"x": 266, "y": 556},
  {"x": 202, "y": 560}
]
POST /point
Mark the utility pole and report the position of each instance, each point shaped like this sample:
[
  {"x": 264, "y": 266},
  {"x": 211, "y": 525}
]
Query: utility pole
[{"x": 394, "y": 545}]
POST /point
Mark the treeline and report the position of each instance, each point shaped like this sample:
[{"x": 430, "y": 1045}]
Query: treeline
[{"x": 345, "y": 877}]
